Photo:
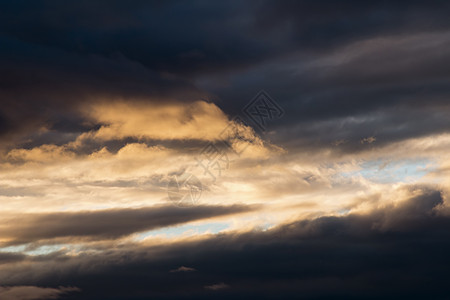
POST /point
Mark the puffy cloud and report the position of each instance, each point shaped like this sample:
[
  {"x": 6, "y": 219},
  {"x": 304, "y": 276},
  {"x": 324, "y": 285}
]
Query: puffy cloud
[{"x": 198, "y": 120}]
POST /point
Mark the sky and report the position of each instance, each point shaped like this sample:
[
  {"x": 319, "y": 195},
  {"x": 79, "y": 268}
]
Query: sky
[{"x": 224, "y": 149}]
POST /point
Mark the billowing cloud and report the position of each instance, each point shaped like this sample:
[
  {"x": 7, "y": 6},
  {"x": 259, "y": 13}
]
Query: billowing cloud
[{"x": 197, "y": 121}]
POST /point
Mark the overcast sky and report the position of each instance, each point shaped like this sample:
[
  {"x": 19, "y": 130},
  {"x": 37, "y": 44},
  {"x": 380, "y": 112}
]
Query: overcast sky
[{"x": 224, "y": 149}]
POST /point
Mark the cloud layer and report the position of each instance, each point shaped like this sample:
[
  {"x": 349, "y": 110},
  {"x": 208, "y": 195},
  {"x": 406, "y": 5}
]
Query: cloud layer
[{"x": 105, "y": 104}]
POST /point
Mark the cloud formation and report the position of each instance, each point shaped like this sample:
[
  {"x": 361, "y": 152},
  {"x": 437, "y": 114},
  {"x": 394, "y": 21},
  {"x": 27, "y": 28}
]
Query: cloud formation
[
  {"x": 107, "y": 224},
  {"x": 102, "y": 104},
  {"x": 389, "y": 250},
  {"x": 34, "y": 292}
]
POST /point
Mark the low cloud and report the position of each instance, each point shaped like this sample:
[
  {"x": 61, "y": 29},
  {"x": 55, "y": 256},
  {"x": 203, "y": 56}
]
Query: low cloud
[
  {"x": 183, "y": 269},
  {"x": 106, "y": 224},
  {"x": 390, "y": 250},
  {"x": 217, "y": 286},
  {"x": 34, "y": 292}
]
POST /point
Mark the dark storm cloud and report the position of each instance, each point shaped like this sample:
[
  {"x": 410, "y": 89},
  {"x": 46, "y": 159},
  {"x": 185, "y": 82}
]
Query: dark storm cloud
[
  {"x": 107, "y": 224},
  {"x": 53, "y": 72},
  {"x": 54, "y": 55},
  {"x": 320, "y": 25},
  {"x": 397, "y": 252},
  {"x": 41, "y": 85},
  {"x": 179, "y": 36},
  {"x": 174, "y": 36},
  {"x": 393, "y": 88}
]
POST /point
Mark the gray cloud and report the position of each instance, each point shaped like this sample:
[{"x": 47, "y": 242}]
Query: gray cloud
[
  {"x": 396, "y": 252},
  {"x": 106, "y": 224},
  {"x": 379, "y": 62},
  {"x": 34, "y": 292}
]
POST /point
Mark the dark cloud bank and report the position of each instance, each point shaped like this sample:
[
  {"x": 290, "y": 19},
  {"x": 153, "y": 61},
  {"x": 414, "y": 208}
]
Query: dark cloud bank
[
  {"x": 306, "y": 54},
  {"x": 105, "y": 224},
  {"x": 399, "y": 252}
]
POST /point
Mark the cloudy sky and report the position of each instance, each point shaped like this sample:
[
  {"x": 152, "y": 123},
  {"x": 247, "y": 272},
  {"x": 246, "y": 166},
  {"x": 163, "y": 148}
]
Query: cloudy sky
[{"x": 224, "y": 149}]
